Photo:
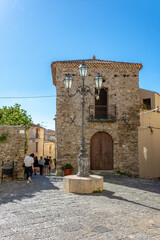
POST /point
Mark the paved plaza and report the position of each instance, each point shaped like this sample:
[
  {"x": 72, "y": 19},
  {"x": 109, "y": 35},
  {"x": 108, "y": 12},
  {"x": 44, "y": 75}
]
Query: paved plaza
[{"x": 128, "y": 208}]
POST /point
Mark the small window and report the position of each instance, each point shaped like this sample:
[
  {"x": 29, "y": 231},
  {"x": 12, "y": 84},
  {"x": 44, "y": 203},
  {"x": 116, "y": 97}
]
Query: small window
[
  {"x": 36, "y": 147},
  {"x": 50, "y": 148},
  {"x": 147, "y": 103},
  {"x": 37, "y": 135}
]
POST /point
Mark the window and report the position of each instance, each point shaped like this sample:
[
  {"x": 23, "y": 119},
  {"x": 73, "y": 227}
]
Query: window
[
  {"x": 50, "y": 148},
  {"x": 101, "y": 105},
  {"x": 36, "y": 147},
  {"x": 147, "y": 103},
  {"x": 101, "y": 111},
  {"x": 37, "y": 134}
]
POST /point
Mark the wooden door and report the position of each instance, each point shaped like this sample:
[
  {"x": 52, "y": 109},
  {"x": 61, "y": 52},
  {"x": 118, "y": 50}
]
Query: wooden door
[{"x": 101, "y": 151}]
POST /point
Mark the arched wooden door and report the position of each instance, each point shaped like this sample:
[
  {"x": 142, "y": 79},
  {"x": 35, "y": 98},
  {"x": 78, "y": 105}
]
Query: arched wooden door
[{"x": 101, "y": 151}]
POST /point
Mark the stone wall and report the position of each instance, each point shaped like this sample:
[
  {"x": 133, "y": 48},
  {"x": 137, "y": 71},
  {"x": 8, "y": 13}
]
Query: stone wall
[
  {"x": 123, "y": 91},
  {"x": 13, "y": 148}
]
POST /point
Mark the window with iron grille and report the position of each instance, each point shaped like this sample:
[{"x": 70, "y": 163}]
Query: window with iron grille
[
  {"x": 50, "y": 148},
  {"x": 36, "y": 147},
  {"x": 37, "y": 133},
  {"x": 101, "y": 110}
]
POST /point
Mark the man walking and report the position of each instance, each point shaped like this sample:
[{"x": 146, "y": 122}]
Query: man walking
[{"x": 28, "y": 161}]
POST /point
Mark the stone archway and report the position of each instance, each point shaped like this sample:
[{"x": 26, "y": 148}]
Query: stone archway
[{"x": 101, "y": 151}]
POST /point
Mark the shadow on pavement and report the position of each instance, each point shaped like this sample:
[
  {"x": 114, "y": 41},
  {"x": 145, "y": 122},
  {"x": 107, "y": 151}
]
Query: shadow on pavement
[
  {"x": 138, "y": 183},
  {"x": 18, "y": 190},
  {"x": 110, "y": 194}
]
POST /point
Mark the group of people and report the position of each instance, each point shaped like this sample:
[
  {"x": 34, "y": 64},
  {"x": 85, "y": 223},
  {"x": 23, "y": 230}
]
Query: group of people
[
  {"x": 45, "y": 165},
  {"x": 32, "y": 165}
]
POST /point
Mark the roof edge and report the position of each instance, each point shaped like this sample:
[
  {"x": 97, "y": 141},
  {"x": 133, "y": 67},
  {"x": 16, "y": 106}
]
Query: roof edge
[{"x": 96, "y": 63}]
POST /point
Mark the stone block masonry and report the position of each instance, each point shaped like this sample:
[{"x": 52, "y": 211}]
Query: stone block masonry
[
  {"x": 121, "y": 82},
  {"x": 13, "y": 148}
]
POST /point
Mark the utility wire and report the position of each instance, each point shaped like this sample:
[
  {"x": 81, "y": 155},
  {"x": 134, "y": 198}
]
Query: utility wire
[
  {"x": 156, "y": 109},
  {"x": 28, "y": 97},
  {"x": 153, "y": 127},
  {"x": 149, "y": 127}
]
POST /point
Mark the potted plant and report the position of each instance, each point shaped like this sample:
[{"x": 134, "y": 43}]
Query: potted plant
[{"x": 67, "y": 169}]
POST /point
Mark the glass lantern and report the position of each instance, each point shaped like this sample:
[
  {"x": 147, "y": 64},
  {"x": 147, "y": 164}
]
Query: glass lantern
[
  {"x": 68, "y": 81},
  {"x": 98, "y": 81},
  {"x": 83, "y": 70}
]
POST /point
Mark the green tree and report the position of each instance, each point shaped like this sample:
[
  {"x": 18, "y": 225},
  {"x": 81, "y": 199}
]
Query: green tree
[{"x": 14, "y": 116}]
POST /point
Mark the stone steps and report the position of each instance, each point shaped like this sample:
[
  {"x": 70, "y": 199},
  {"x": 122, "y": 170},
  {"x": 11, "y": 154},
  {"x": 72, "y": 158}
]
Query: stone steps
[{"x": 103, "y": 172}]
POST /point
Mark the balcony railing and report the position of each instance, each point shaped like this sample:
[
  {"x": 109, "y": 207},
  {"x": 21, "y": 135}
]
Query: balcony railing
[
  {"x": 102, "y": 112},
  {"x": 37, "y": 135}
]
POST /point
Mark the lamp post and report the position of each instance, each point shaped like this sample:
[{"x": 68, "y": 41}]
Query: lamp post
[{"x": 83, "y": 90}]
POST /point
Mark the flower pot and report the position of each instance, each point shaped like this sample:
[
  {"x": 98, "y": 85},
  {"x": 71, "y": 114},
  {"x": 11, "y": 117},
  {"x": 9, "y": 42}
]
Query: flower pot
[{"x": 67, "y": 172}]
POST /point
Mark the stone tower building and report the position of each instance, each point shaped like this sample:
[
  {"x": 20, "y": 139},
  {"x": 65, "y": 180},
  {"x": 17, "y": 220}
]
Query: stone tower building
[{"x": 111, "y": 129}]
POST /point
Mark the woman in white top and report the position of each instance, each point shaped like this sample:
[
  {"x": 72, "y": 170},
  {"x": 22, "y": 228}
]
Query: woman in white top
[{"x": 28, "y": 161}]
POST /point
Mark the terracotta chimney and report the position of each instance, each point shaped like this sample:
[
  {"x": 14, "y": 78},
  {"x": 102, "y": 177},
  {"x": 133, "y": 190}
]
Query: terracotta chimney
[{"x": 94, "y": 57}]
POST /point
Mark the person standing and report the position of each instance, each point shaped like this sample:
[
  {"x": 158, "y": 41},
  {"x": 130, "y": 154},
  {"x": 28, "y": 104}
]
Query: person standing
[
  {"x": 41, "y": 164},
  {"x": 35, "y": 165},
  {"x": 55, "y": 163},
  {"x": 29, "y": 168},
  {"x": 50, "y": 165},
  {"x": 46, "y": 165}
]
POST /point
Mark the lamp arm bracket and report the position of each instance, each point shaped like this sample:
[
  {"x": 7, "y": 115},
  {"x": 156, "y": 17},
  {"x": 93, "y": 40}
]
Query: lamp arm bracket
[
  {"x": 89, "y": 90},
  {"x": 74, "y": 94},
  {"x": 85, "y": 90}
]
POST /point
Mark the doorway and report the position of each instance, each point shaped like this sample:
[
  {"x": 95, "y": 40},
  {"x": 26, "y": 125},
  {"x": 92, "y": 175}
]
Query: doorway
[{"x": 101, "y": 151}]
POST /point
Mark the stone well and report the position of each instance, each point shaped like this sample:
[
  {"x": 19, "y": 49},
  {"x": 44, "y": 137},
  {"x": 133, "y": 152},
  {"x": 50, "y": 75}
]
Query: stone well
[{"x": 83, "y": 185}]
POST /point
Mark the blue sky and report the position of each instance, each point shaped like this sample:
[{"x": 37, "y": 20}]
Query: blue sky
[{"x": 33, "y": 33}]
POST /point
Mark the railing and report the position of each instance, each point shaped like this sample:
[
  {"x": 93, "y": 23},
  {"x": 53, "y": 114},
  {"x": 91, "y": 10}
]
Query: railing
[
  {"x": 37, "y": 135},
  {"x": 99, "y": 112}
]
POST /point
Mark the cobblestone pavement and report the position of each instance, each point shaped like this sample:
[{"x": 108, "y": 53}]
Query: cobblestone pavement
[{"x": 128, "y": 208}]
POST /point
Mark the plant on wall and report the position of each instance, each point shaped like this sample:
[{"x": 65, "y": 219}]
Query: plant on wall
[
  {"x": 3, "y": 137},
  {"x": 26, "y": 141},
  {"x": 14, "y": 116}
]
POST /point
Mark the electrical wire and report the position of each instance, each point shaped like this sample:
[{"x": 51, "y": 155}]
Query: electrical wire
[
  {"x": 153, "y": 127},
  {"x": 28, "y": 97}
]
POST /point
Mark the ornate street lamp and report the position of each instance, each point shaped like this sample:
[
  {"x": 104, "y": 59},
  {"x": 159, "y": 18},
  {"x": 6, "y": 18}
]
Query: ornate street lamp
[
  {"x": 83, "y": 90},
  {"x": 98, "y": 81},
  {"x": 83, "y": 70},
  {"x": 68, "y": 81}
]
